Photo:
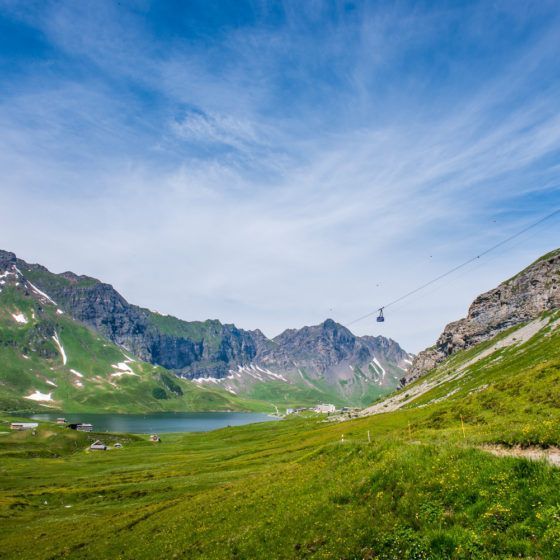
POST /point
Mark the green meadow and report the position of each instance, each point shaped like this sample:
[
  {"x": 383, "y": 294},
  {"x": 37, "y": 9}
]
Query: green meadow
[{"x": 415, "y": 483}]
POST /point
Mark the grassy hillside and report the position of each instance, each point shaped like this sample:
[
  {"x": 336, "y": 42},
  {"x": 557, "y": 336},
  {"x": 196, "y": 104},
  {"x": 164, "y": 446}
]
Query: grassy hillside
[
  {"x": 97, "y": 376},
  {"x": 424, "y": 487},
  {"x": 508, "y": 385}
]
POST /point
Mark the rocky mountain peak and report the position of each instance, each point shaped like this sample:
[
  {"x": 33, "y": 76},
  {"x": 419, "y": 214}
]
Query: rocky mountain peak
[
  {"x": 534, "y": 290},
  {"x": 7, "y": 259},
  {"x": 331, "y": 325}
]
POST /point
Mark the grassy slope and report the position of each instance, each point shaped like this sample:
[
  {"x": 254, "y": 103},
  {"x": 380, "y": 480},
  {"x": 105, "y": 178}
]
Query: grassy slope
[
  {"x": 29, "y": 358},
  {"x": 513, "y": 392},
  {"x": 420, "y": 489},
  {"x": 292, "y": 395},
  {"x": 310, "y": 390}
]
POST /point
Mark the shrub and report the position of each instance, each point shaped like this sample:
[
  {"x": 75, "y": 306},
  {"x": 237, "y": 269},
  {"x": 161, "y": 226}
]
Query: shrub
[{"x": 159, "y": 393}]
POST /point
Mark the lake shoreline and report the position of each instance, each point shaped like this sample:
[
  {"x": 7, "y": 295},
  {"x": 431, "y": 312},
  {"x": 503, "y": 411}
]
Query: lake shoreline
[{"x": 161, "y": 422}]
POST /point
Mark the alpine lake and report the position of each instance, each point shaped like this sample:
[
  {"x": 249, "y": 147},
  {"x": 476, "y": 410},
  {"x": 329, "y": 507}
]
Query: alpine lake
[{"x": 159, "y": 423}]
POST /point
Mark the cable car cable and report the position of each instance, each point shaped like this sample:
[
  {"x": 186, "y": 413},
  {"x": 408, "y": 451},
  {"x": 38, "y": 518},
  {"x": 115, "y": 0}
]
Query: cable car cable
[{"x": 379, "y": 310}]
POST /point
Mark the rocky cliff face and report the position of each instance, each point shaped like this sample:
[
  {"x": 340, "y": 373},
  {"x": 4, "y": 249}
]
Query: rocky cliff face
[
  {"x": 212, "y": 350},
  {"x": 188, "y": 348},
  {"x": 521, "y": 298},
  {"x": 328, "y": 348}
]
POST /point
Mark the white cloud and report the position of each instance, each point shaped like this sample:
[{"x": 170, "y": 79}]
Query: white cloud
[{"x": 226, "y": 195}]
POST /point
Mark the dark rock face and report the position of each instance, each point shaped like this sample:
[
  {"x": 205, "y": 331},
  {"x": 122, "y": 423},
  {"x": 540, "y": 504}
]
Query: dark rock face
[
  {"x": 101, "y": 307},
  {"x": 204, "y": 349},
  {"x": 7, "y": 259},
  {"x": 522, "y": 298},
  {"x": 191, "y": 349}
]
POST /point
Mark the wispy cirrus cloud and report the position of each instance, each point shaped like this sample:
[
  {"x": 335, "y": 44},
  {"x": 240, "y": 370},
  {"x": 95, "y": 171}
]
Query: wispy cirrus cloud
[{"x": 300, "y": 163}]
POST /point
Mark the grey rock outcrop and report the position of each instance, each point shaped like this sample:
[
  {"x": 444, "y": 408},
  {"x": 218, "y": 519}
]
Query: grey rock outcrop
[
  {"x": 522, "y": 298},
  {"x": 7, "y": 259}
]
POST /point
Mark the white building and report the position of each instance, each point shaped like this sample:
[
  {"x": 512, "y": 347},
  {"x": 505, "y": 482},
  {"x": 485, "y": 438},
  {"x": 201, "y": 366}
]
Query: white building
[
  {"x": 325, "y": 408},
  {"x": 23, "y": 425},
  {"x": 84, "y": 427}
]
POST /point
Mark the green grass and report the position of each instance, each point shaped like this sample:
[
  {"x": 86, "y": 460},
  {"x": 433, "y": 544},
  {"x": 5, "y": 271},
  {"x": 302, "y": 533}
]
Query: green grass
[
  {"x": 281, "y": 490},
  {"x": 286, "y": 395},
  {"x": 513, "y": 392},
  {"x": 196, "y": 331},
  {"x": 411, "y": 484},
  {"x": 48, "y": 280},
  {"x": 421, "y": 488}
]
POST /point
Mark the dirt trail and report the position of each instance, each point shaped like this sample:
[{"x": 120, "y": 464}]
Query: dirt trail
[{"x": 551, "y": 455}]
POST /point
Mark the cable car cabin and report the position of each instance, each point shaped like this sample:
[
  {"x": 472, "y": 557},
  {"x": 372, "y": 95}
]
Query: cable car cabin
[{"x": 380, "y": 318}]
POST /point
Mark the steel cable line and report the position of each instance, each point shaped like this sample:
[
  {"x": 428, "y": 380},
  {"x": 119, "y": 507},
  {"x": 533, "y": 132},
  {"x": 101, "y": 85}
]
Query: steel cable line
[
  {"x": 380, "y": 310},
  {"x": 469, "y": 270}
]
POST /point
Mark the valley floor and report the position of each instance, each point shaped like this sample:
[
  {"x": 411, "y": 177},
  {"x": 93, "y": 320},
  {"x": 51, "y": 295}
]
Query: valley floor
[
  {"x": 418, "y": 482},
  {"x": 292, "y": 489}
]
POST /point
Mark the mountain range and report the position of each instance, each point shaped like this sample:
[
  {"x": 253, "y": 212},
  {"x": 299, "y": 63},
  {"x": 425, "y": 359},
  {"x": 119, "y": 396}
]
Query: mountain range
[{"x": 227, "y": 367}]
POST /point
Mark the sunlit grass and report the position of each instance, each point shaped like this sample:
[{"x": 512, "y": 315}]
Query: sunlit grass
[{"x": 415, "y": 483}]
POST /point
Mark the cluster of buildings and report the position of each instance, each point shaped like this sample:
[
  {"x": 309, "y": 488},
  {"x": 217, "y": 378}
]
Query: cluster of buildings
[
  {"x": 320, "y": 408},
  {"x": 323, "y": 409},
  {"x": 80, "y": 426}
]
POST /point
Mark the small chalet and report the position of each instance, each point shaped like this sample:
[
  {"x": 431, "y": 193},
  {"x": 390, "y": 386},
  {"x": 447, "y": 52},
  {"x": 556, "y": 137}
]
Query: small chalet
[
  {"x": 84, "y": 427},
  {"x": 23, "y": 425},
  {"x": 98, "y": 446}
]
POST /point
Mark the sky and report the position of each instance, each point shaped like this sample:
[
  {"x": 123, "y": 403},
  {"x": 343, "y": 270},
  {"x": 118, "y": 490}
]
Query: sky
[{"x": 272, "y": 164}]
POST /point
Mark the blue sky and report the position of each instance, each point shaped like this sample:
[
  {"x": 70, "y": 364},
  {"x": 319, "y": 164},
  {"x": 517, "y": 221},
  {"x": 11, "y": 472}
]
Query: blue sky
[{"x": 272, "y": 164}]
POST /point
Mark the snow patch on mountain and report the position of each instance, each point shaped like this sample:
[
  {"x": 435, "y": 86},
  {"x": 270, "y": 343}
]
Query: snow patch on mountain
[
  {"x": 207, "y": 380},
  {"x": 38, "y": 396},
  {"x": 256, "y": 372},
  {"x": 382, "y": 369},
  {"x": 121, "y": 373},
  {"x": 60, "y": 348},
  {"x": 122, "y": 366},
  {"x": 20, "y": 318},
  {"x": 40, "y": 293}
]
